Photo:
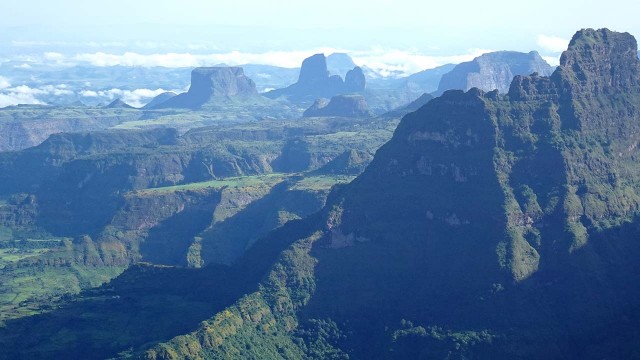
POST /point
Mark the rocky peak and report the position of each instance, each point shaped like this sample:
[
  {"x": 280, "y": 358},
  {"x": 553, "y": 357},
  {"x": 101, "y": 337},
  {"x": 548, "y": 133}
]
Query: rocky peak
[
  {"x": 597, "y": 63},
  {"x": 601, "y": 60},
  {"x": 314, "y": 70},
  {"x": 563, "y": 140},
  {"x": 354, "y": 81},
  {"x": 315, "y": 81}
]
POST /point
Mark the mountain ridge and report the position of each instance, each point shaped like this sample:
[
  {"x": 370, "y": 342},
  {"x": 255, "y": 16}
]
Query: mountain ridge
[{"x": 476, "y": 231}]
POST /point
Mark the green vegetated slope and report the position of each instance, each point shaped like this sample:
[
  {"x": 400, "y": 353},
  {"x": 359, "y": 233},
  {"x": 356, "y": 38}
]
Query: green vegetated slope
[
  {"x": 25, "y": 126},
  {"x": 490, "y": 227},
  {"x": 80, "y": 208}
]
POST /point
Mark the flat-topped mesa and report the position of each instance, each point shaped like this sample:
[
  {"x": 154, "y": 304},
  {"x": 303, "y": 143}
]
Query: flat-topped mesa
[
  {"x": 221, "y": 82},
  {"x": 213, "y": 84}
]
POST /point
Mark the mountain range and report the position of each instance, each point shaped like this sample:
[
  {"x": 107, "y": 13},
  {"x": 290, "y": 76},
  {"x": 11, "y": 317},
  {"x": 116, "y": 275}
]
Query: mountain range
[
  {"x": 489, "y": 226},
  {"x": 497, "y": 218}
]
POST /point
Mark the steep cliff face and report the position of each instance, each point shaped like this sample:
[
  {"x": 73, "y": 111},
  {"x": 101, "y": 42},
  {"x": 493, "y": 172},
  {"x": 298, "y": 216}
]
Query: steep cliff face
[
  {"x": 315, "y": 81},
  {"x": 489, "y": 227},
  {"x": 213, "y": 84},
  {"x": 24, "y": 128},
  {"x": 540, "y": 168},
  {"x": 493, "y": 71}
]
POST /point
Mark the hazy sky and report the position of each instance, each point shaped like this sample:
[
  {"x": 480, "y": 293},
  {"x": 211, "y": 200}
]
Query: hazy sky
[{"x": 444, "y": 30}]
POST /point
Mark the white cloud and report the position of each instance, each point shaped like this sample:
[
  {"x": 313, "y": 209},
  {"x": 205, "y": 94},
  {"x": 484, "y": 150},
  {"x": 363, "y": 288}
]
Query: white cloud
[
  {"x": 95, "y": 44},
  {"x": 4, "y": 83},
  {"x": 19, "y": 95},
  {"x": 22, "y": 66},
  {"x": 552, "y": 44},
  {"x": 403, "y": 63},
  {"x": 56, "y": 58},
  {"x": 88, "y": 93},
  {"x": 290, "y": 59},
  {"x": 552, "y": 60},
  {"x": 387, "y": 62},
  {"x": 15, "y": 99},
  {"x": 137, "y": 97},
  {"x": 24, "y": 94},
  {"x": 53, "y": 56},
  {"x": 57, "y": 90}
]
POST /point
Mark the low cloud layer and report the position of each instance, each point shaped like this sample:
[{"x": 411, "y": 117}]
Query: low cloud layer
[
  {"x": 287, "y": 59},
  {"x": 551, "y": 48},
  {"x": 136, "y": 98},
  {"x": 386, "y": 62},
  {"x": 17, "y": 95},
  {"x": 23, "y": 94},
  {"x": 403, "y": 63},
  {"x": 4, "y": 83}
]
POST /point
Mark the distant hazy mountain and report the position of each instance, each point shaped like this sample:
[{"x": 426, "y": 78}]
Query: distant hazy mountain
[
  {"x": 411, "y": 107},
  {"x": 269, "y": 77},
  {"x": 91, "y": 84},
  {"x": 427, "y": 81},
  {"x": 213, "y": 84},
  {"x": 156, "y": 101},
  {"x": 393, "y": 93},
  {"x": 118, "y": 104},
  {"x": 315, "y": 81},
  {"x": 340, "y": 105},
  {"x": 493, "y": 71},
  {"x": 339, "y": 64}
]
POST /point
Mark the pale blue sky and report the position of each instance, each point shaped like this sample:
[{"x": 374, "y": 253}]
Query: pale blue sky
[{"x": 442, "y": 28}]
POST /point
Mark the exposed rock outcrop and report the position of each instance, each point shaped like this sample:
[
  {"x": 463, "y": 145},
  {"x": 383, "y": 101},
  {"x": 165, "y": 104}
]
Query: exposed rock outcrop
[
  {"x": 315, "y": 81},
  {"x": 493, "y": 71},
  {"x": 354, "y": 81}
]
